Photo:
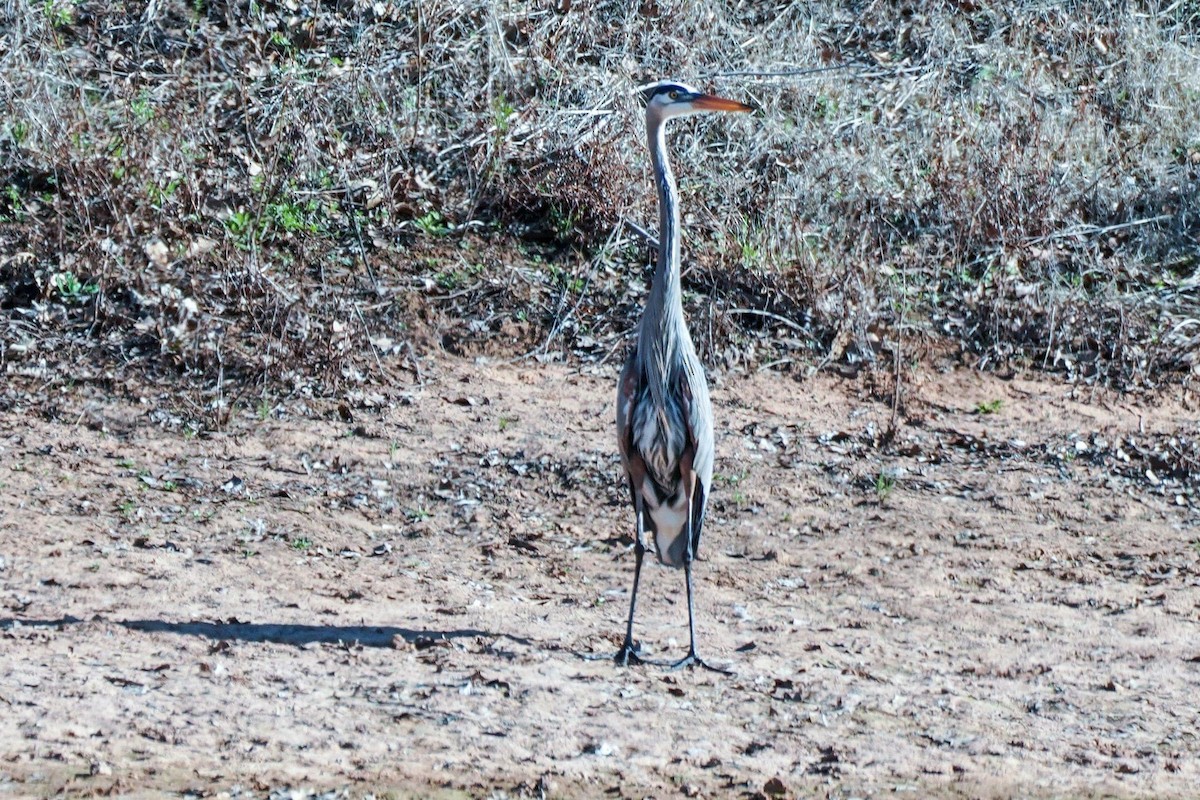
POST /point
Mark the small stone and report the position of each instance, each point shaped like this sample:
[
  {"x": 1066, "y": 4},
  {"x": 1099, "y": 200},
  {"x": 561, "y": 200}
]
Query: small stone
[
  {"x": 157, "y": 252},
  {"x": 601, "y": 748}
]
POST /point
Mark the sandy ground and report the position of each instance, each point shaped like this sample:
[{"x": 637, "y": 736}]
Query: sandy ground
[{"x": 397, "y": 600}]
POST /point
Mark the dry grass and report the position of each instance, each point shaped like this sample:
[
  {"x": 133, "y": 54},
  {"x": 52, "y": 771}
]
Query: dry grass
[{"x": 281, "y": 197}]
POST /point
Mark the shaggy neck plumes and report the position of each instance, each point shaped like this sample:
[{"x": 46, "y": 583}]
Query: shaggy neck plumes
[{"x": 662, "y": 329}]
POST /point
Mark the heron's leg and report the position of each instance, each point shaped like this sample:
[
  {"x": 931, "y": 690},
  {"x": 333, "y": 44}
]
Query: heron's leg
[
  {"x": 692, "y": 659},
  {"x": 628, "y": 654}
]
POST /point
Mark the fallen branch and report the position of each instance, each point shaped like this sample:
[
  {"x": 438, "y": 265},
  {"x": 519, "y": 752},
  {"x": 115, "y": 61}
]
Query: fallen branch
[
  {"x": 649, "y": 237},
  {"x": 790, "y": 323}
]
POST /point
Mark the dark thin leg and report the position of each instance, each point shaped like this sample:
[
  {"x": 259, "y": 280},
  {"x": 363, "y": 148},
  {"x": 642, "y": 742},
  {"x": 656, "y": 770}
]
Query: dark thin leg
[
  {"x": 628, "y": 654},
  {"x": 691, "y": 659}
]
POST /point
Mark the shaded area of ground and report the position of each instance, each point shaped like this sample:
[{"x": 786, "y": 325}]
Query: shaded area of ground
[{"x": 1002, "y": 598}]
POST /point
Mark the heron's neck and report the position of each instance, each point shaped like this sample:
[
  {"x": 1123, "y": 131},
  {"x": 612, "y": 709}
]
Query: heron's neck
[{"x": 663, "y": 319}]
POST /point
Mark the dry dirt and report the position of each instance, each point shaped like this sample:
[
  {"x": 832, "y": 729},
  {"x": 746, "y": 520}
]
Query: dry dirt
[{"x": 398, "y": 600}]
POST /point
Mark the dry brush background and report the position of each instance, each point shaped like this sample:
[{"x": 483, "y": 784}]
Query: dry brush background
[{"x": 264, "y": 194}]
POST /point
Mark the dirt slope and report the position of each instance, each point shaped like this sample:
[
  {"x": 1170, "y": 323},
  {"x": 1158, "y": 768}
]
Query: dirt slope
[{"x": 994, "y": 604}]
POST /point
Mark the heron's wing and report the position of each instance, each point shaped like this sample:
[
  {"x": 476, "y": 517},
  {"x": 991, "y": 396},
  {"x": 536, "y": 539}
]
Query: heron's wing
[
  {"x": 699, "y": 501},
  {"x": 699, "y": 419},
  {"x": 627, "y": 392}
]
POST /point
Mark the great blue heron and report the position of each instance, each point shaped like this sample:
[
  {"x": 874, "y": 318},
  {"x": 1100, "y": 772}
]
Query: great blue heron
[{"x": 664, "y": 417}]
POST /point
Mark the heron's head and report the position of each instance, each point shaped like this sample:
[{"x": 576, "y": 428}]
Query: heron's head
[{"x": 667, "y": 99}]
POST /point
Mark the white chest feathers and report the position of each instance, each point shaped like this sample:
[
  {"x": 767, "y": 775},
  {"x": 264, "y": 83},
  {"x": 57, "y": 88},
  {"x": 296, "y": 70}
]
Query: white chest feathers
[{"x": 670, "y": 520}]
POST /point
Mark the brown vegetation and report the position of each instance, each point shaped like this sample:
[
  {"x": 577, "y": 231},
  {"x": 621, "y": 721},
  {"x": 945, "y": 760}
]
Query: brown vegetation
[{"x": 292, "y": 197}]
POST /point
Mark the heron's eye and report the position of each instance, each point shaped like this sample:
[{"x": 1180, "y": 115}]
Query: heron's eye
[{"x": 674, "y": 95}]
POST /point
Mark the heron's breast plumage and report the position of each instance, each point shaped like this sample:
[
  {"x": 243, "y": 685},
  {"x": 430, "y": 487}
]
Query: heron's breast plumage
[{"x": 659, "y": 436}]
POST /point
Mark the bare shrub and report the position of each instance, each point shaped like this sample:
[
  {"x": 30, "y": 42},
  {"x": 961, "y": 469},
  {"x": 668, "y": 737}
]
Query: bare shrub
[{"x": 259, "y": 193}]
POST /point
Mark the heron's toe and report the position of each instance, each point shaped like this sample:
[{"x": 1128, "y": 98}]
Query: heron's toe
[
  {"x": 628, "y": 655},
  {"x": 692, "y": 660}
]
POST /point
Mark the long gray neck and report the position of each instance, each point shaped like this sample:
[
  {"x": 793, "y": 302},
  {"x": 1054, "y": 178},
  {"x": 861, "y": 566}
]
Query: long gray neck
[{"x": 663, "y": 332}]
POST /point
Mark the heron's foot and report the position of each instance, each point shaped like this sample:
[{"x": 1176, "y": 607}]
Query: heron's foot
[
  {"x": 692, "y": 660},
  {"x": 629, "y": 655}
]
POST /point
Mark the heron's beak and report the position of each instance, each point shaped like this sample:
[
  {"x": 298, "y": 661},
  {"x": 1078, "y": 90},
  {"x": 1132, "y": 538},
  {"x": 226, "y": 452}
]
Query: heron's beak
[{"x": 710, "y": 102}]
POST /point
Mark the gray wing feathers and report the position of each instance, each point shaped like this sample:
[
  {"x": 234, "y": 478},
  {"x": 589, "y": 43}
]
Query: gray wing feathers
[
  {"x": 700, "y": 429},
  {"x": 699, "y": 420},
  {"x": 626, "y": 395}
]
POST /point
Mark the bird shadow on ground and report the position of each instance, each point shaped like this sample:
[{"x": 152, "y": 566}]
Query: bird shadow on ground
[{"x": 297, "y": 635}]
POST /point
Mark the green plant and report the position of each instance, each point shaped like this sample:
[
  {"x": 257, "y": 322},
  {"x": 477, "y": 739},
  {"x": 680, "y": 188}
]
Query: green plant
[
  {"x": 989, "y": 407},
  {"x": 60, "y": 13},
  {"x": 750, "y": 254},
  {"x": 730, "y": 479},
  {"x": 301, "y": 543},
  {"x": 563, "y": 278},
  {"x": 115, "y": 151},
  {"x": 143, "y": 110},
  {"x": 451, "y": 280},
  {"x": 825, "y": 107},
  {"x": 238, "y": 224},
  {"x": 432, "y": 223},
  {"x": 506, "y": 421},
  {"x": 563, "y": 221},
  {"x": 281, "y": 42},
  {"x": 293, "y": 217},
  {"x": 159, "y": 195},
  {"x": 885, "y": 484},
  {"x": 15, "y": 205},
  {"x": 502, "y": 114},
  {"x": 19, "y": 131},
  {"x": 71, "y": 290}
]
